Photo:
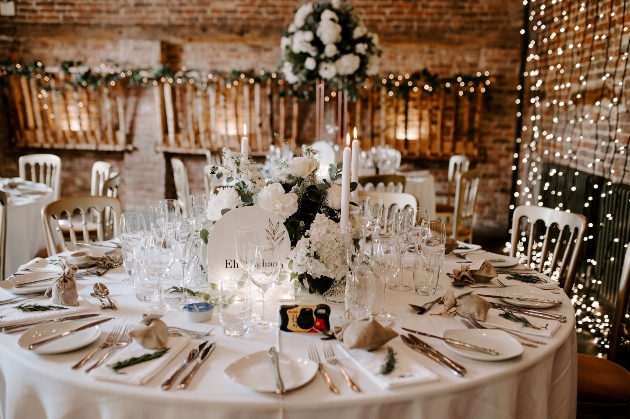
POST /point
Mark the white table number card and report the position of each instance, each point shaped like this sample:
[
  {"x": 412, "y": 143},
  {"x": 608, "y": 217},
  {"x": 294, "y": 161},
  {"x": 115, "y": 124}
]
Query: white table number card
[{"x": 221, "y": 253}]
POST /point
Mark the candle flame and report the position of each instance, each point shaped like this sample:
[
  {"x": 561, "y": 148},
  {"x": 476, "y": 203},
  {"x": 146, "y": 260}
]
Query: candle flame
[
  {"x": 245, "y": 130},
  {"x": 348, "y": 140},
  {"x": 355, "y": 133}
]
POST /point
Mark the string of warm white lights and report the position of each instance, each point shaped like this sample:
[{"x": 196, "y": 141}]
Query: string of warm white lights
[{"x": 574, "y": 121}]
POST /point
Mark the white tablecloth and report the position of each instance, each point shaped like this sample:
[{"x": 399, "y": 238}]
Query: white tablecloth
[
  {"x": 539, "y": 384},
  {"x": 25, "y": 230},
  {"x": 423, "y": 188}
]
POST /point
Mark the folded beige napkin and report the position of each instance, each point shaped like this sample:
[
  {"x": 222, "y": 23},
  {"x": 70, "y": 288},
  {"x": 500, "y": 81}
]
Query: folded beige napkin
[
  {"x": 365, "y": 334},
  {"x": 151, "y": 332},
  {"x": 10, "y": 315},
  {"x": 547, "y": 327},
  {"x": 406, "y": 371},
  {"x": 140, "y": 373}
]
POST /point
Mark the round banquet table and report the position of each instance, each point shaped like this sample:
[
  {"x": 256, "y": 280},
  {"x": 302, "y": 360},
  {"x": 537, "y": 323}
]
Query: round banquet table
[
  {"x": 540, "y": 383},
  {"x": 25, "y": 230}
]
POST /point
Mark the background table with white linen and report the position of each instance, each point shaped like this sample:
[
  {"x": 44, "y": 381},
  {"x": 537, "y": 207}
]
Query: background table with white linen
[
  {"x": 541, "y": 383},
  {"x": 25, "y": 229}
]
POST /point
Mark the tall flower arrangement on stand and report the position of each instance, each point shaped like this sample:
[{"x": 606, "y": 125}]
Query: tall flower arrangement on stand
[
  {"x": 328, "y": 40},
  {"x": 309, "y": 207}
]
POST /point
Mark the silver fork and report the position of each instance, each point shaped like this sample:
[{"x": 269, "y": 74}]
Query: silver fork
[
  {"x": 478, "y": 325},
  {"x": 109, "y": 342},
  {"x": 123, "y": 340},
  {"x": 332, "y": 359},
  {"x": 314, "y": 356}
]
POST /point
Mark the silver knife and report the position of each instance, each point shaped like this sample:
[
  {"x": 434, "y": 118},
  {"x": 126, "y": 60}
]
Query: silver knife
[
  {"x": 456, "y": 342},
  {"x": 203, "y": 357},
  {"x": 16, "y": 327},
  {"x": 431, "y": 355},
  {"x": 452, "y": 364},
  {"x": 523, "y": 298},
  {"x": 190, "y": 358},
  {"x": 275, "y": 366},
  {"x": 532, "y": 313},
  {"x": 37, "y": 281},
  {"x": 68, "y": 332}
]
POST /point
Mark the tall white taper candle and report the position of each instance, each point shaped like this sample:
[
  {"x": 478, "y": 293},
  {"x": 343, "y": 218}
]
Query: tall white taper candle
[
  {"x": 356, "y": 151},
  {"x": 244, "y": 141},
  {"x": 345, "y": 184}
]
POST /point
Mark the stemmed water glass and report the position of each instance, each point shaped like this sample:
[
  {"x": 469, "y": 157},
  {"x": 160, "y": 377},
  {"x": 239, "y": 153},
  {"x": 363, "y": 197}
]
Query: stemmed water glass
[
  {"x": 376, "y": 210},
  {"x": 159, "y": 251},
  {"x": 264, "y": 273},
  {"x": 172, "y": 211},
  {"x": 197, "y": 211},
  {"x": 403, "y": 223},
  {"x": 385, "y": 265},
  {"x": 157, "y": 217},
  {"x": 183, "y": 243},
  {"x": 418, "y": 232},
  {"x": 132, "y": 233},
  {"x": 432, "y": 252},
  {"x": 245, "y": 242}
]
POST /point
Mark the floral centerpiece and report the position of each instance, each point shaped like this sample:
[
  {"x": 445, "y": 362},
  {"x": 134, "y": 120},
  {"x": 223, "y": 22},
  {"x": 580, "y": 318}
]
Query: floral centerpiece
[
  {"x": 327, "y": 39},
  {"x": 308, "y": 204}
]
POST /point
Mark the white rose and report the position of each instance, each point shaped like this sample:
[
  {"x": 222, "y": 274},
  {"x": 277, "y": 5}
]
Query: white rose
[
  {"x": 334, "y": 196},
  {"x": 285, "y": 42},
  {"x": 329, "y": 15},
  {"x": 292, "y": 28},
  {"x": 329, "y": 32},
  {"x": 308, "y": 36},
  {"x": 300, "y": 44},
  {"x": 302, "y": 166},
  {"x": 273, "y": 199},
  {"x": 331, "y": 50},
  {"x": 310, "y": 63},
  {"x": 327, "y": 70},
  {"x": 302, "y": 13},
  {"x": 348, "y": 64},
  {"x": 359, "y": 31},
  {"x": 336, "y": 4},
  {"x": 226, "y": 198},
  {"x": 361, "y": 48},
  {"x": 372, "y": 65}
]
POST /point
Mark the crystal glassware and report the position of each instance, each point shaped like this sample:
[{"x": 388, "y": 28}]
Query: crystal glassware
[
  {"x": 183, "y": 243},
  {"x": 431, "y": 257},
  {"x": 385, "y": 265},
  {"x": 159, "y": 251},
  {"x": 235, "y": 308},
  {"x": 403, "y": 223},
  {"x": 157, "y": 217},
  {"x": 264, "y": 274},
  {"x": 172, "y": 211},
  {"x": 132, "y": 233},
  {"x": 245, "y": 242}
]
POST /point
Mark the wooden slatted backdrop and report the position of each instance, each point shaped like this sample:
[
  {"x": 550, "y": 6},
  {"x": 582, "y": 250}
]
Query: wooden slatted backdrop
[{"x": 194, "y": 116}]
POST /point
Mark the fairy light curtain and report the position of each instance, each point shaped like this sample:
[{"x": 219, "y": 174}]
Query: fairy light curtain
[{"x": 573, "y": 145}]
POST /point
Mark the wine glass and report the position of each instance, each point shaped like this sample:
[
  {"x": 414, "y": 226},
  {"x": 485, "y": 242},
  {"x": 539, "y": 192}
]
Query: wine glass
[
  {"x": 264, "y": 273},
  {"x": 376, "y": 214},
  {"x": 197, "y": 211},
  {"x": 132, "y": 231},
  {"x": 159, "y": 251},
  {"x": 245, "y": 241},
  {"x": 432, "y": 251},
  {"x": 385, "y": 265},
  {"x": 403, "y": 223},
  {"x": 157, "y": 217},
  {"x": 172, "y": 211},
  {"x": 183, "y": 242}
]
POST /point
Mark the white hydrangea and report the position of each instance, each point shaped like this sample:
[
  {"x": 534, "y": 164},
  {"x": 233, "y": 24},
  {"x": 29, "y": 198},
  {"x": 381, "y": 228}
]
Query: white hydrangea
[
  {"x": 225, "y": 198},
  {"x": 361, "y": 48},
  {"x": 372, "y": 66},
  {"x": 336, "y": 4},
  {"x": 359, "y": 31},
  {"x": 331, "y": 50},
  {"x": 302, "y": 13},
  {"x": 327, "y": 70},
  {"x": 310, "y": 64},
  {"x": 240, "y": 167},
  {"x": 348, "y": 64},
  {"x": 273, "y": 199},
  {"x": 321, "y": 251},
  {"x": 329, "y": 32},
  {"x": 288, "y": 73},
  {"x": 300, "y": 43}
]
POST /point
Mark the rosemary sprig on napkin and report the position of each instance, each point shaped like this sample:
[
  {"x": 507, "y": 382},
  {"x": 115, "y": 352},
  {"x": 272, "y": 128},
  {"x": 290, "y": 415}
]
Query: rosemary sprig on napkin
[
  {"x": 390, "y": 362},
  {"x": 137, "y": 360},
  {"x": 507, "y": 314},
  {"x": 27, "y": 308},
  {"x": 526, "y": 278}
]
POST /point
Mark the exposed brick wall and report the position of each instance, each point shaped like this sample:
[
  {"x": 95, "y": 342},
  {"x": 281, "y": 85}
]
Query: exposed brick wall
[{"x": 447, "y": 37}]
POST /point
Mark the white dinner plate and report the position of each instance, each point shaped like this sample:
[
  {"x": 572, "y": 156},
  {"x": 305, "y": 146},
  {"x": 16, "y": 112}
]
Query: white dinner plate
[
  {"x": 68, "y": 343},
  {"x": 10, "y": 283},
  {"x": 527, "y": 291},
  {"x": 502, "y": 260},
  {"x": 503, "y": 343},
  {"x": 254, "y": 371}
]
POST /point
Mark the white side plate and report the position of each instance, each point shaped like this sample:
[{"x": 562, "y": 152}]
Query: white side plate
[
  {"x": 68, "y": 343},
  {"x": 527, "y": 291},
  {"x": 504, "y": 344},
  {"x": 10, "y": 283},
  {"x": 254, "y": 371}
]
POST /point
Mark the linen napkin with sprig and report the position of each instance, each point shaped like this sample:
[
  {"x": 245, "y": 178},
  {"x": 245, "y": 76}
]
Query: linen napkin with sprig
[
  {"x": 11, "y": 315},
  {"x": 139, "y": 373}
]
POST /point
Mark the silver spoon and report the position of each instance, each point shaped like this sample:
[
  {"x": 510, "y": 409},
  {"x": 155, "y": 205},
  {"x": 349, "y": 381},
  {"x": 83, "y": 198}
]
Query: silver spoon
[
  {"x": 103, "y": 305},
  {"x": 102, "y": 291}
]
